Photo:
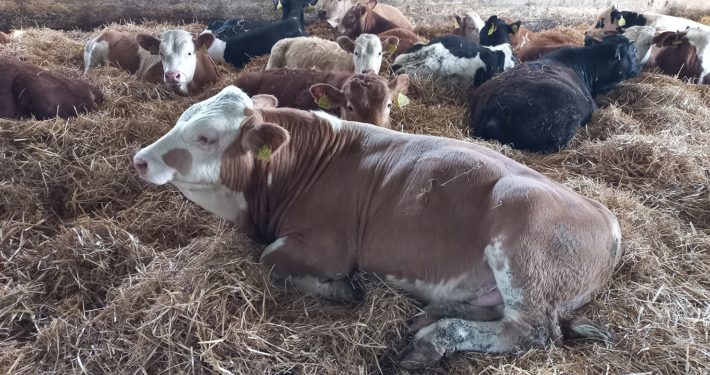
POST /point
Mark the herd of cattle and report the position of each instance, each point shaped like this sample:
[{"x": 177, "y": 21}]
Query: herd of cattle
[{"x": 301, "y": 157}]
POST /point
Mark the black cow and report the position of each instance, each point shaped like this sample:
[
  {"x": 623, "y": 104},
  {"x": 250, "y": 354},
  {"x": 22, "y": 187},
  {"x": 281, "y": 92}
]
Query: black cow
[
  {"x": 539, "y": 105},
  {"x": 237, "y": 25},
  {"x": 496, "y": 31},
  {"x": 239, "y": 49}
]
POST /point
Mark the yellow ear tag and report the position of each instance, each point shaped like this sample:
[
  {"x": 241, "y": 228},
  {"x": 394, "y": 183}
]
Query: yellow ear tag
[
  {"x": 515, "y": 29},
  {"x": 203, "y": 49},
  {"x": 677, "y": 42},
  {"x": 310, "y": 8},
  {"x": 402, "y": 100},
  {"x": 456, "y": 25},
  {"x": 392, "y": 48},
  {"x": 492, "y": 30},
  {"x": 323, "y": 102},
  {"x": 622, "y": 21},
  {"x": 279, "y": 6},
  {"x": 265, "y": 153}
]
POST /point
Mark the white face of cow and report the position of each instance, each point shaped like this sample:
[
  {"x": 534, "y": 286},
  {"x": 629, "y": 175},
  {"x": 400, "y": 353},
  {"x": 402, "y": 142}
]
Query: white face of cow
[
  {"x": 366, "y": 50},
  {"x": 472, "y": 25},
  {"x": 189, "y": 156},
  {"x": 334, "y": 10},
  {"x": 643, "y": 39}
]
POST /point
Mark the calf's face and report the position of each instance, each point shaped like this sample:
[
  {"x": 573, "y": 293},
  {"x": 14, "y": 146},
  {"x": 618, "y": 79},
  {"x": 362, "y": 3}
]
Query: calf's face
[
  {"x": 470, "y": 26},
  {"x": 606, "y": 22},
  {"x": 367, "y": 51},
  {"x": 334, "y": 10},
  {"x": 365, "y": 98},
  {"x": 496, "y": 32},
  {"x": 350, "y": 25},
  {"x": 614, "y": 61},
  {"x": 178, "y": 54},
  {"x": 643, "y": 40}
]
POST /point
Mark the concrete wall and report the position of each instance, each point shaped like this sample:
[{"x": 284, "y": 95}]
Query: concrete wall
[{"x": 88, "y": 14}]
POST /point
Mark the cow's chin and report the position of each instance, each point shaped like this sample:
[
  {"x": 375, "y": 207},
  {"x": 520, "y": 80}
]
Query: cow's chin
[{"x": 159, "y": 178}]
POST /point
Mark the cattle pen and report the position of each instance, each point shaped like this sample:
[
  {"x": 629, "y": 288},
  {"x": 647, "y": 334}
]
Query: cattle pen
[{"x": 101, "y": 272}]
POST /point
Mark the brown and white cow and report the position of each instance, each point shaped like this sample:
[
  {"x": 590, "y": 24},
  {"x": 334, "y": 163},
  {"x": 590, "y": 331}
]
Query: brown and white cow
[
  {"x": 363, "y": 98},
  {"x": 334, "y": 10},
  {"x": 686, "y": 54},
  {"x": 171, "y": 58},
  {"x": 543, "y": 44},
  {"x": 469, "y": 26},
  {"x": 613, "y": 21},
  {"x": 494, "y": 249},
  {"x": 4, "y": 38},
  {"x": 361, "y": 19},
  {"x": 27, "y": 90}
]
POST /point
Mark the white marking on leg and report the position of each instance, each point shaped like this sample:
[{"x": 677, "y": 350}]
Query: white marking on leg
[
  {"x": 512, "y": 297},
  {"x": 449, "y": 290},
  {"x": 272, "y": 247}
]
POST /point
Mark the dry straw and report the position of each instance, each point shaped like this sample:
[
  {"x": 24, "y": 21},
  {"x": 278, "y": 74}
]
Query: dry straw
[{"x": 104, "y": 273}]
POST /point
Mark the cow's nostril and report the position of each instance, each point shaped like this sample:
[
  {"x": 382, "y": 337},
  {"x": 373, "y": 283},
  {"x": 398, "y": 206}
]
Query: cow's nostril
[{"x": 141, "y": 165}]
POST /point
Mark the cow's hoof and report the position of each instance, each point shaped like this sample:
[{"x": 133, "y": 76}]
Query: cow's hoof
[{"x": 419, "y": 355}]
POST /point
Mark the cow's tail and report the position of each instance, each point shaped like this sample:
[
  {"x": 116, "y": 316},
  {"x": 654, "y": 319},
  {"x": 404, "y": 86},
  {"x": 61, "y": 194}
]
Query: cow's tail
[
  {"x": 95, "y": 54},
  {"x": 278, "y": 54}
]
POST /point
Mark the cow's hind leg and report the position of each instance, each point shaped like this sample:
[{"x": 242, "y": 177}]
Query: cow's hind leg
[{"x": 450, "y": 309}]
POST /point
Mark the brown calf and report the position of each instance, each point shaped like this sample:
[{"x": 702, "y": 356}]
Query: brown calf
[
  {"x": 361, "y": 19},
  {"x": 334, "y": 10},
  {"x": 27, "y": 90},
  {"x": 686, "y": 54},
  {"x": 355, "y": 97},
  {"x": 4, "y": 38},
  {"x": 171, "y": 58},
  {"x": 406, "y": 37},
  {"x": 495, "y": 251},
  {"x": 469, "y": 26},
  {"x": 521, "y": 37},
  {"x": 543, "y": 44}
]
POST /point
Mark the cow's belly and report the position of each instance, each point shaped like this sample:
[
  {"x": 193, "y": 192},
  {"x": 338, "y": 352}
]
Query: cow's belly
[{"x": 476, "y": 288}]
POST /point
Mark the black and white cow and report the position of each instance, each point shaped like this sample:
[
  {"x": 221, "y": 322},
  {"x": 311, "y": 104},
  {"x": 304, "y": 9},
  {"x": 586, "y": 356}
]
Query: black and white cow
[
  {"x": 496, "y": 31},
  {"x": 457, "y": 60},
  {"x": 539, "y": 105},
  {"x": 238, "y": 39},
  {"x": 612, "y": 20}
]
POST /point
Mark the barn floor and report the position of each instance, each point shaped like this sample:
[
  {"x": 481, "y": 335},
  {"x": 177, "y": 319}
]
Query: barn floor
[{"x": 104, "y": 273}]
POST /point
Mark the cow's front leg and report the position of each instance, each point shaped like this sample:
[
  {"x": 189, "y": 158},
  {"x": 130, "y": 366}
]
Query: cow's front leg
[
  {"x": 452, "y": 309},
  {"x": 319, "y": 272}
]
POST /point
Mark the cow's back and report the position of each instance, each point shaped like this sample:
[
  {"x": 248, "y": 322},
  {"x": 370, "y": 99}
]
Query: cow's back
[
  {"x": 393, "y": 15},
  {"x": 241, "y": 48},
  {"x": 544, "y": 44}
]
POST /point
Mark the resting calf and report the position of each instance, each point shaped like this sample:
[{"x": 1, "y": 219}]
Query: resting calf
[{"x": 494, "y": 249}]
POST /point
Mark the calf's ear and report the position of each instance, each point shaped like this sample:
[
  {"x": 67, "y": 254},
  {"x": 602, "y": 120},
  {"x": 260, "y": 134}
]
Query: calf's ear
[
  {"x": 257, "y": 136},
  {"x": 390, "y": 41},
  {"x": 398, "y": 85},
  {"x": 514, "y": 27},
  {"x": 204, "y": 40},
  {"x": 149, "y": 43},
  {"x": 346, "y": 44},
  {"x": 333, "y": 94},
  {"x": 264, "y": 101},
  {"x": 372, "y": 4}
]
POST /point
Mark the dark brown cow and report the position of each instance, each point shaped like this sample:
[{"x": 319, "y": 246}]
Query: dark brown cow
[
  {"x": 4, "y": 38},
  {"x": 496, "y": 251},
  {"x": 406, "y": 37},
  {"x": 543, "y": 44},
  {"x": 686, "y": 54},
  {"x": 355, "y": 97},
  {"x": 361, "y": 19},
  {"x": 172, "y": 58},
  {"x": 27, "y": 90}
]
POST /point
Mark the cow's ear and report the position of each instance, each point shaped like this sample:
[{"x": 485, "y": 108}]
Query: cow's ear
[
  {"x": 332, "y": 95},
  {"x": 514, "y": 27},
  {"x": 264, "y": 101},
  {"x": 205, "y": 40},
  {"x": 390, "y": 41},
  {"x": 398, "y": 85},
  {"x": 149, "y": 43},
  {"x": 372, "y": 4},
  {"x": 588, "y": 41},
  {"x": 346, "y": 44},
  {"x": 660, "y": 38},
  {"x": 362, "y": 8},
  {"x": 262, "y": 139},
  {"x": 457, "y": 21}
]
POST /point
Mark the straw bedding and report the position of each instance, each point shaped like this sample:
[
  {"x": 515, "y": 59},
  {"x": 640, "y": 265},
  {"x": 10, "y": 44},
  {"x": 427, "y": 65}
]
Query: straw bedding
[{"x": 104, "y": 273}]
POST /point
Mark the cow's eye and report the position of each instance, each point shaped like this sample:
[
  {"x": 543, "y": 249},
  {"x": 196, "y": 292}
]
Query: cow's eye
[
  {"x": 389, "y": 105},
  {"x": 206, "y": 141},
  {"x": 350, "y": 108},
  {"x": 189, "y": 53},
  {"x": 380, "y": 54},
  {"x": 356, "y": 53}
]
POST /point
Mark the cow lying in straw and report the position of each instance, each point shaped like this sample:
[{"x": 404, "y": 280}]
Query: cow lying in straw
[{"x": 494, "y": 249}]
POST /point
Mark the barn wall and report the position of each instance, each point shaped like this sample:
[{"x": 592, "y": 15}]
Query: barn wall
[{"x": 88, "y": 14}]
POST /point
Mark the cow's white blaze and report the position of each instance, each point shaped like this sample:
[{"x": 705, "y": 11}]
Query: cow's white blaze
[
  {"x": 473, "y": 25},
  {"x": 368, "y": 53},
  {"x": 206, "y": 130},
  {"x": 178, "y": 55}
]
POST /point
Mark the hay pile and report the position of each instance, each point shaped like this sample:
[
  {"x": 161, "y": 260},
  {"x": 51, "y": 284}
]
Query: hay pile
[{"x": 104, "y": 273}]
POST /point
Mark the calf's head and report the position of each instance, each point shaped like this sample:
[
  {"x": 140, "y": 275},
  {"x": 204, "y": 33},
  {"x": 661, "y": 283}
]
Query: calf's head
[
  {"x": 209, "y": 153},
  {"x": 334, "y": 10},
  {"x": 178, "y": 54},
  {"x": 608, "y": 22},
  {"x": 469, "y": 26},
  {"x": 365, "y": 97},
  {"x": 367, "y": 50},
  {"x": 643, "y": 40},
  {"x": 351, "y": 23},
  {"x": 613, "y": 61},
  {"x": 496, "y": 32}
]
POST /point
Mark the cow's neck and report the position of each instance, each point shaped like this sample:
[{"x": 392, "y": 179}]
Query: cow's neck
[
  {"x": 373, "y": 23},
  {"x": 295, "y": 12},
  {"x": 204, "y": 74}
]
